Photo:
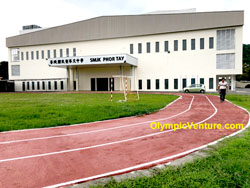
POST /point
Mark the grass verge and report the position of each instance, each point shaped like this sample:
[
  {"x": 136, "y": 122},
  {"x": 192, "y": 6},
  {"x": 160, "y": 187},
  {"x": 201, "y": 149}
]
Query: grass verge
[
  {"x": 228, "y": 165},
  {"x": 33, "y": 110}
]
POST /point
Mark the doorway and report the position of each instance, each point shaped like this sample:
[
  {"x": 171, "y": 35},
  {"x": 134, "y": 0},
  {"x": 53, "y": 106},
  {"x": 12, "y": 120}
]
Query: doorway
[{"x": 102, "y": 84}]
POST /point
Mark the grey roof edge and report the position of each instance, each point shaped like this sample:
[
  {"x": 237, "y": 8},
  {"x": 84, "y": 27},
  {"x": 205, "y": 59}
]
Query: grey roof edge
[{"x": 10, "y": 43}]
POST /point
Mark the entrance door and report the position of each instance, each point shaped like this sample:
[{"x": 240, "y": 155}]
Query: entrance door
[
  {"x": 92, "y": 84},
  {"x": 102, "y": 84}
]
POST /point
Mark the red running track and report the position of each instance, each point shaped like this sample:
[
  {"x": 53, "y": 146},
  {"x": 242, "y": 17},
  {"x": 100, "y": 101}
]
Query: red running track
[{"x": 66, "y": 155}]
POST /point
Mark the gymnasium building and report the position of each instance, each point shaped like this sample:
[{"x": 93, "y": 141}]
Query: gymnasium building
[{"x": 153, "y": 52}]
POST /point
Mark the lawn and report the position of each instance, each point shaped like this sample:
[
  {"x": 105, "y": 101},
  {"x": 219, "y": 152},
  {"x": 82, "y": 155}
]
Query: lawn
[
  {"x": 35, "y": 110},
  {"x": 228, "y": 165}
]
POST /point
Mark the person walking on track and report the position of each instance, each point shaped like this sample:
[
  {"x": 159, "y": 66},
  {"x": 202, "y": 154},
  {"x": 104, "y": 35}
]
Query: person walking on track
[{"x": 222, "y": 88}]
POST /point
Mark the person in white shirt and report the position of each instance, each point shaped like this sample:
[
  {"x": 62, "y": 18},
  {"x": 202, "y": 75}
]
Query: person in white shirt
[{"x": 222, "y": 88}]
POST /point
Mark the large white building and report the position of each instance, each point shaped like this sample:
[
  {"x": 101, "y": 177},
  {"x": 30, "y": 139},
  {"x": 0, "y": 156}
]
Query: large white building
[{"x": 159, "y": 52}]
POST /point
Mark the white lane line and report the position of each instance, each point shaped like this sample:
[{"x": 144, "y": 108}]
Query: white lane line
[
  {"x": 106, "y": 144},
  {"x": 148, "y": 163},
  {"x": 73, "y": 125},
  {"x": 99, "y": 130}
]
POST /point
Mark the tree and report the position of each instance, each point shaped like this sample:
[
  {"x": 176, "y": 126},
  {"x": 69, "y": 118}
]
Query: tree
[{"x": 246, "y": 63}]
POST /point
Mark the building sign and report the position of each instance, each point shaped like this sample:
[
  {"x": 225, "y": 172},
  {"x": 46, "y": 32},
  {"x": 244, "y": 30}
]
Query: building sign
[{"x": 93, "y": 60}]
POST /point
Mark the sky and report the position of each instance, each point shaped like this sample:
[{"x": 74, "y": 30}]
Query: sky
[{"x": 49, "y": 13}]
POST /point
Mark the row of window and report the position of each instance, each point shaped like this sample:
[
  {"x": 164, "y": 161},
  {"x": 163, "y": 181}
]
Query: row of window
[
  {"x": 176, "y": 45},
  {"x": 40, "y": 54},
  {"x": 42, "y": 85},
  {"x": 225, "y": 41},
  {"x": 175, "y": 82}
]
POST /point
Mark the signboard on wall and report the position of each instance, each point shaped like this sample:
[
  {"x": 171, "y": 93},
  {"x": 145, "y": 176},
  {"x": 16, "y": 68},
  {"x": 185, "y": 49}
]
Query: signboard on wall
[{"x": 93, "y": 60}]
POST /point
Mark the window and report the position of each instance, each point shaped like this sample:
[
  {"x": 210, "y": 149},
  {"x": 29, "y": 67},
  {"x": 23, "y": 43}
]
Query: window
[
  {"x": 184, "y": 44},
  {"x": 192, "y": 44},
  {"x": 166, "y": 83},
  {"x": 27, "y": 55},
  {"x": 37, "y": 54},
  {"x": 61, "y": 52},
  {"x": 211, "y": 83},
  {"x": 175, "y": 45},
  {"x": 42, "y": 54},
  {"x": 131, "y": 47},
  {"x": 225, "y": 39},
  {"x": 140, "y": 84},
  {"x": 211, "y": 42},
  {"x": 157, "y": 84},
  {"x": 22, "y": 56},
  {"x": 225, "y": 61},
  {"x": 139, "y": 48},
  {"x": 43, "y": 85},
  {"x": 74, "y": 51},
  {"x": 48, "y": 54},
  {"x": 192, "y": 80},
  {"x": 166, "y": 46},
  {"x": 201, "y": 80},
  {"x": 14, "y": 54},
  {"x": 32, "y": 55},
  {"x": 55, "y": 85},
  {"x": 157, "y": 47},
  {"x": 15, "y": 70},
  {"x": 54, "y": 53},
  {"x": 33, "y": 85},
  {"x": 184, "y": 83},
  {"x": 148, "y": 47},
  {"x": 148, "y": 84},
  {"x": 67, "y": 52},
  {"x": 28, "y": 86},
  {"x": 175, "y": 83},
  {"x": 23, "y": 86},
  {"x": 62, "y": 86},
  {"x": 202, "y": 43},
  {"x": 49, "y": 85},
  {"x": 38, "y": 86}
]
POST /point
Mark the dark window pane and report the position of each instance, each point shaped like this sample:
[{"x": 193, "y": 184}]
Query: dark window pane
[
  {"x": 192, "y": 44},
  {"x": 175, "y": 83},
  {"x": 211, "y": 83},
  {"x": 148, "y": 84},
  {"x": 54, "y": 53},
  {"x": 157, "y": 84},
  {"x": 49, "y": 85},
  {"x": 42, "y": 54},
  {"x": 61, "y": 52},
  {"x": 62, "y": 86},
  {"x": 74, "y": 51},
  {"x": 201, "y": 43},
  {"x": 48, "y": 54},
  {"x": 140, "y": 84},
  {"x": 166, "y": 46},
  {"x": 211, "y": 42},
  {"x": 184, "y": 83},
  {"x": 192, "y": 80},
  {"x": 175, "y": 45},
  {"x": 184, "y": 45},
  {"x": 139, "y": 48},
  {"x": 32, "y": 55},
  {"x": 148, "y": 47},
  {"x": 131, "y": 48},
  {"x": 43, "y": 85},
  {"x": 33, "y": 85},
  {"x": 38, "y": 85},
  {"x": 28, "y": 85},
  {"x": 166, "y": 83},
  {"x": 55, "y": 85},
  {"x": 157, "y": 47},
  {"x": 201, "y": 80}
]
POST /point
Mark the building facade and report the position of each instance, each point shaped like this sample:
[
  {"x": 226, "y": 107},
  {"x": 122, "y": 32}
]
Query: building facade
[{"x": 157, "y": 52}]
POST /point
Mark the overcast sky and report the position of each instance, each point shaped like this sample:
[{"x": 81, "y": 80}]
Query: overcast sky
[{"x": 48, "y": 13}]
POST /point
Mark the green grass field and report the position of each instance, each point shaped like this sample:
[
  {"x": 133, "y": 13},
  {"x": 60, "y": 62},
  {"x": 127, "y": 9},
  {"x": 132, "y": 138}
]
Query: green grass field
[
  {"x": 27, "y": 110},
  {"x": 228, "y": 165}
]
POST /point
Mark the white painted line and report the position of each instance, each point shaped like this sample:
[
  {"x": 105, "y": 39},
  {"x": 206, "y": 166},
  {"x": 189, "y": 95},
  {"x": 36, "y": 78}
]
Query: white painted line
[
  {"x": 149, "y": 163},
  {"x": 68, "y": 126},
  {"x": 95, "y": 131}
]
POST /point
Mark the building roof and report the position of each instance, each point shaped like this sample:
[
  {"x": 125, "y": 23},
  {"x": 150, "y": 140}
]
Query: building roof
[{"x": 109, "y": 27}]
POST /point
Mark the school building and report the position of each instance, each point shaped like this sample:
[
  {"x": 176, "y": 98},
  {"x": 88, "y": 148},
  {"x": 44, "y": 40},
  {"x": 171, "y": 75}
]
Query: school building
[{"x": 155, "y": 52}]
